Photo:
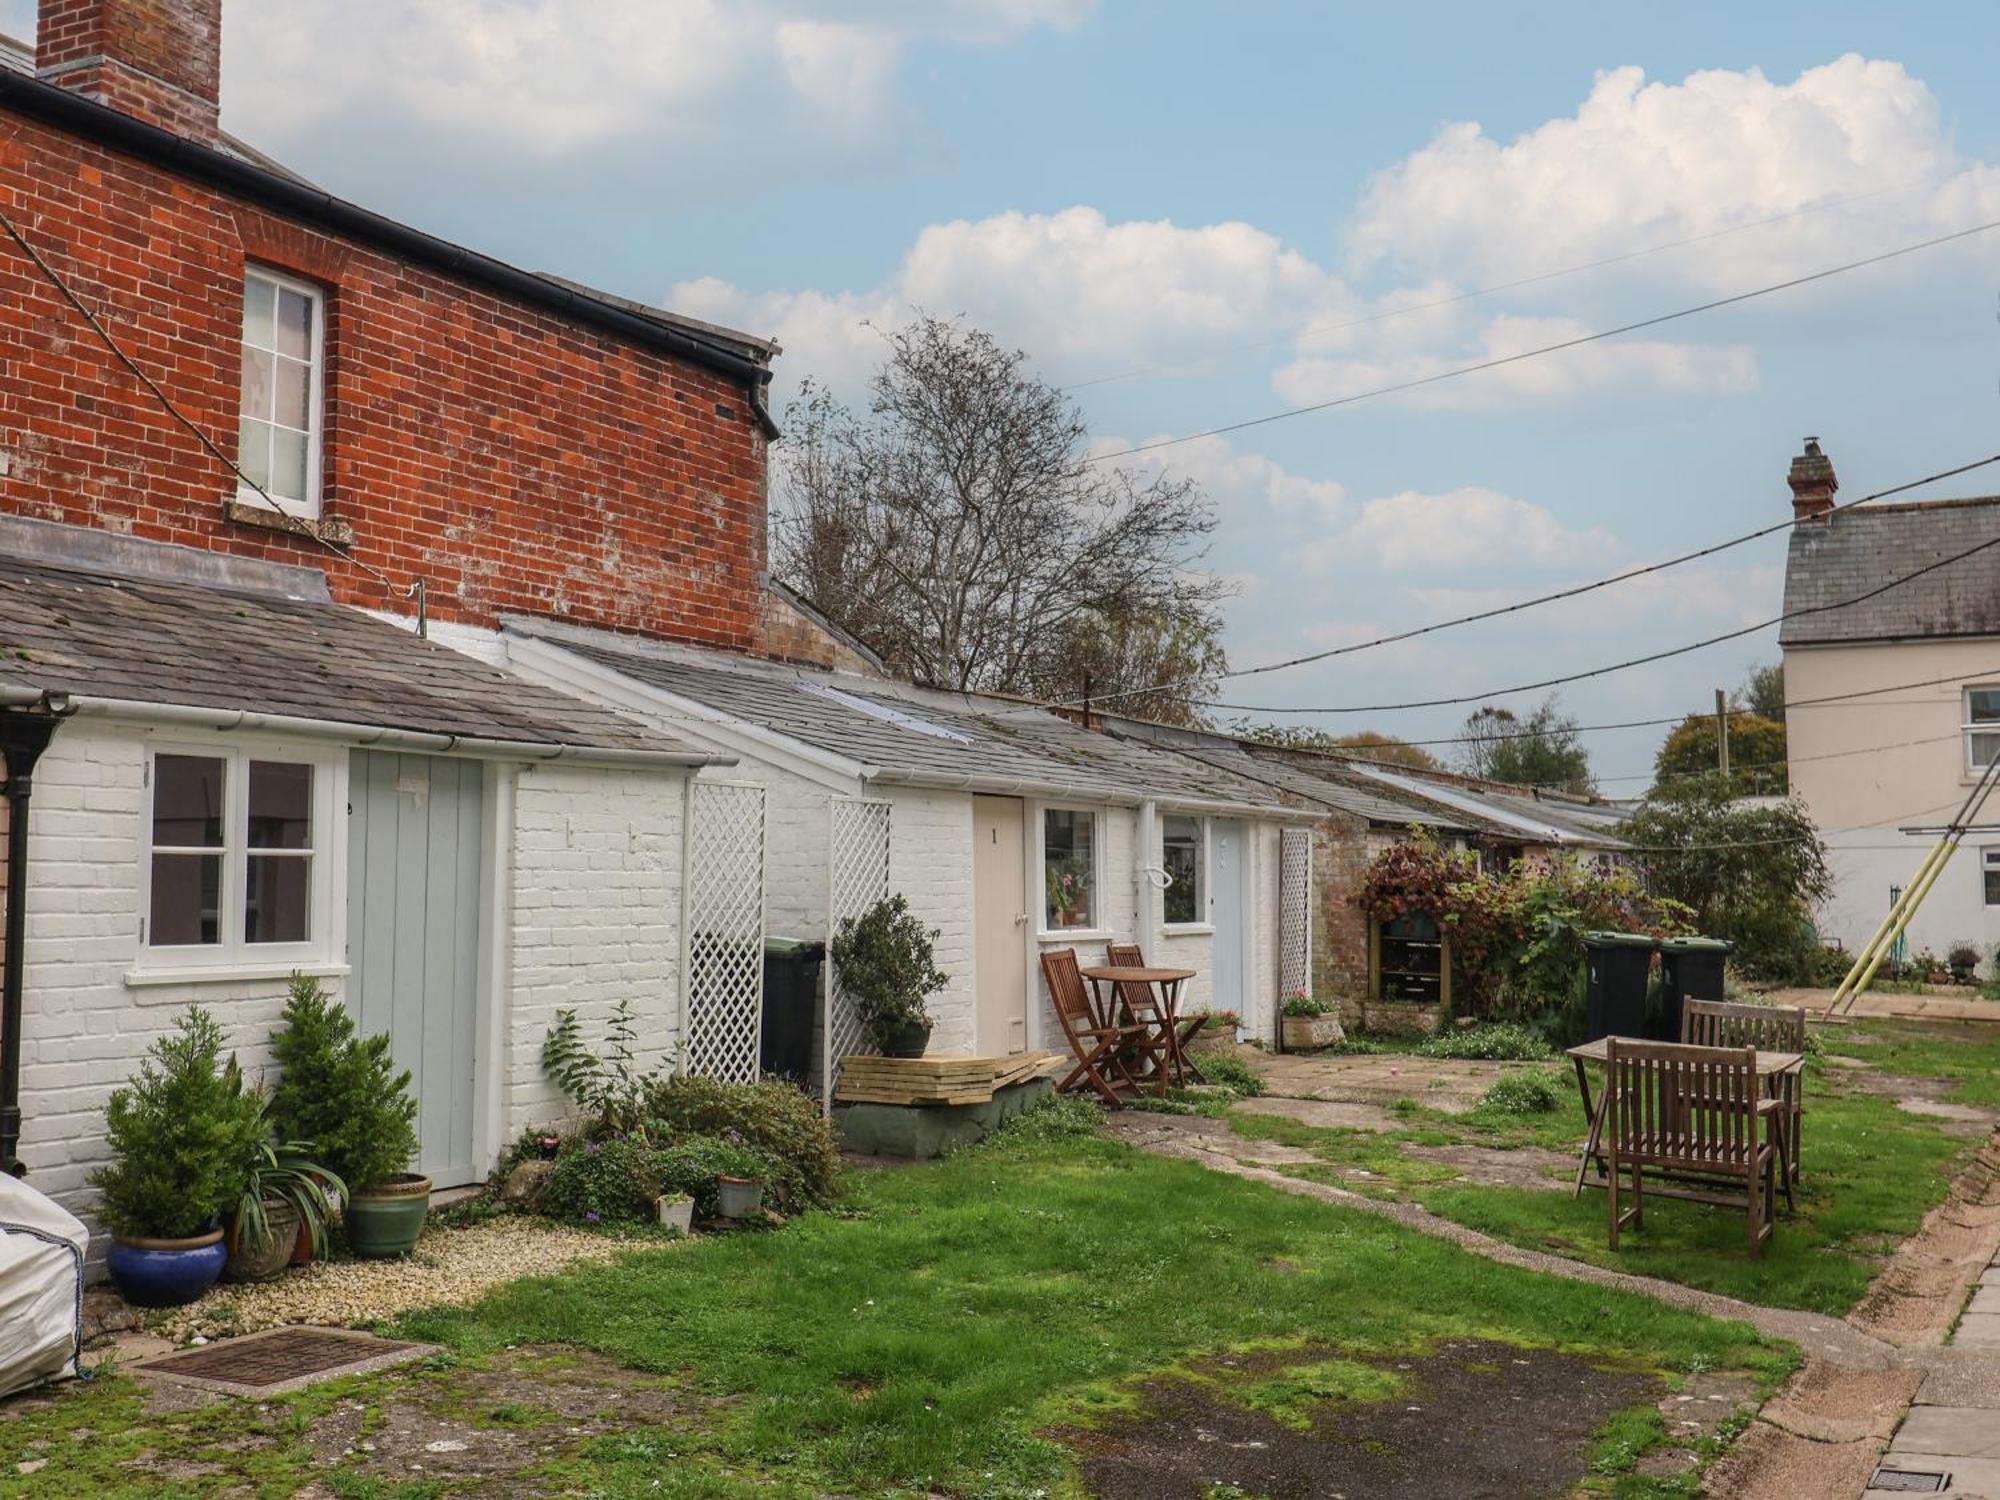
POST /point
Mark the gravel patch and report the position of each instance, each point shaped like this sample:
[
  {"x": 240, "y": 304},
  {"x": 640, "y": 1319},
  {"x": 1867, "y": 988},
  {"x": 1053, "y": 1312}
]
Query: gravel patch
[{"x": 448, "y": 1267}]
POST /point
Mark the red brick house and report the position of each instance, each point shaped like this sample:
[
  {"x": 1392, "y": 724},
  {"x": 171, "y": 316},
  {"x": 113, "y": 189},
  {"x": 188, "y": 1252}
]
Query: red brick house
[{"x": 251, "y": 437}]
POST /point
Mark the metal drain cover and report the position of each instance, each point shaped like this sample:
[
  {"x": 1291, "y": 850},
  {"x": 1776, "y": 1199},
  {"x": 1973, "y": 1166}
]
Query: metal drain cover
[
  {"x": 1909, "y": 1481},
  {"x": 268, "y": 1364}
]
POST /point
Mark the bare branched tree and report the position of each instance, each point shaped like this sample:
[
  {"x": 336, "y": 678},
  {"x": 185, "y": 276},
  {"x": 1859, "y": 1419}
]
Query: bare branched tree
[{"x": 957, "y": 527}]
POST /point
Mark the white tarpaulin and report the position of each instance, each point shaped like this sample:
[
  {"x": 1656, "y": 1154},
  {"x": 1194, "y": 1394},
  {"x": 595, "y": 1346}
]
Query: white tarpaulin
[{"x": 42, "y": 1247}]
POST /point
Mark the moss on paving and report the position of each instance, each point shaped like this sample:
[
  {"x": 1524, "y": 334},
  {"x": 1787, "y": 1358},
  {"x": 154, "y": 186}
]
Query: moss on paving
[{"x": 922, "y": 1341}]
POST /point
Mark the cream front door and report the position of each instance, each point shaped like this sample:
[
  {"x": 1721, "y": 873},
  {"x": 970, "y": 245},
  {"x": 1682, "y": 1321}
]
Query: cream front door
[{"x": 999, "y": 926}]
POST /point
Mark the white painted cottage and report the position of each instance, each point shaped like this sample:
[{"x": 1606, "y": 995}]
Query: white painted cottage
[
  {"x": 242, "y": 779},
  {"x": 1010, "y": 829}
]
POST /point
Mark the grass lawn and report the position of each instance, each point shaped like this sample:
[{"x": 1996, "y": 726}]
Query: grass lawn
[
  {"x": 1871, "y": 1173},
  {"x": 927, "y": 1338}
]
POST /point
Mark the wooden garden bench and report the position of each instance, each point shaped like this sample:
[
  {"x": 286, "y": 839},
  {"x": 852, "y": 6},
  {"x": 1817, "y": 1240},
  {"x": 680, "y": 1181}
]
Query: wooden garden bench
[
  {"x": 1697, "y": 1114},
  {"x": 1768, "y": 1028}
]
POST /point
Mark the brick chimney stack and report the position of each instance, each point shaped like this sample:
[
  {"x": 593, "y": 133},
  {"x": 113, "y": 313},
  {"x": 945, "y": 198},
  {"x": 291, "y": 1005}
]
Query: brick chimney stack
[
  {"x": 1812, "y": 482},
  {"x": 160, "y": 60}
]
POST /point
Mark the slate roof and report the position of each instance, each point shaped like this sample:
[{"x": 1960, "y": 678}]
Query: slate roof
[
  {"x": 1855, "y": 551},
  {"x": 900, "y": 732},
  {"x": 157, "y": 640},
  {"x": 1391, "y": 796}
]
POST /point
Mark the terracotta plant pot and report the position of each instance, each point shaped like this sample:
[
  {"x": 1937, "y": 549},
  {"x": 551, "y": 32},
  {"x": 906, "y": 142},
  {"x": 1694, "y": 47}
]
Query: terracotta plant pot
[
  {"x": 302, "y": 1246},
  {"x": 386, "y": 1219},
  {"x": 165, "y": 1273},
  {"x": 262, "y": 1262}
]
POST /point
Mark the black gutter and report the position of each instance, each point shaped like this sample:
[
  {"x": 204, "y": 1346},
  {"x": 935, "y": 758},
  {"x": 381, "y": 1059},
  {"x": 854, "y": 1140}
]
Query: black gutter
[
  {"x": 24, "y": 735},
  {"x": 162, "y": 148}
]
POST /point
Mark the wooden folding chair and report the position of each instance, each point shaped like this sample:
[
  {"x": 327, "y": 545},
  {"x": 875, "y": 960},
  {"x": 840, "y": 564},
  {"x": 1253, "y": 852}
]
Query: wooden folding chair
[
  {"x": 1690, "y": 1113},
  {"x": 1768, "y": 1028},
  {"x": 1104, "y": 1048},
  {"x": 1143, "y": 1004}
]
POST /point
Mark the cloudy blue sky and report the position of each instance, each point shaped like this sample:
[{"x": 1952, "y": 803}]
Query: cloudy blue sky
[{"x": 1197, "y": 213}]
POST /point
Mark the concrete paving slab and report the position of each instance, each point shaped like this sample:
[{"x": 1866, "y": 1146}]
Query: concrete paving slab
[
  {"x": 1986, "y": 1299},
  {"x": 1961, "y": 1431},
  {"x": 1990, "y": 1276},
  {"x": 1962, "y": 1380},
  {"x": 1977, "y": 1331}
]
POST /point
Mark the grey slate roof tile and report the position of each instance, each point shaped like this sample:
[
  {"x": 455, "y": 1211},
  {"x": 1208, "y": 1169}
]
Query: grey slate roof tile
[
  {"x": 155, "y": 641},
  {"x": 1855, "y": 551},
  {"x": 875, "y": 723}
]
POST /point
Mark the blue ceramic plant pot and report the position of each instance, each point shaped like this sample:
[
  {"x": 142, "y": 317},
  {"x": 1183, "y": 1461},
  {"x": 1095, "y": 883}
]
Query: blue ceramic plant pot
[{"x": 165, "y": 1273}]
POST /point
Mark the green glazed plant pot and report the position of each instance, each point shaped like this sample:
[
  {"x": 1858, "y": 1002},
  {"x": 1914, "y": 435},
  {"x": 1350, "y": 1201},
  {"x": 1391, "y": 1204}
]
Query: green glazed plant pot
[
  {"x": 907, "y": 1040},
  {"x": 386, "y": 1219}
]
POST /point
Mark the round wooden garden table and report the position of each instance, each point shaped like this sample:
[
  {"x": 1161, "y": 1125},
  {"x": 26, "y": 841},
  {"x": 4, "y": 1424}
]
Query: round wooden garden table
[{"x": 1162, "y": 991}]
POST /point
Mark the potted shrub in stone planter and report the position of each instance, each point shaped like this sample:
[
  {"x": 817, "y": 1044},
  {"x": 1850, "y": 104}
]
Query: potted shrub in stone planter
[
  {"x": 1219, "y": 1031},
  {"x": 1963, "y": 959},
  {"x": 341, "y": 1093},
  {"x": 884, "y": 958},
  {"x": 1306, "y": 1024},
  {"x": 180, "y": 1134},
  {"x": 676, "y": 1211},
  {"x": 287, "y": 1197}
]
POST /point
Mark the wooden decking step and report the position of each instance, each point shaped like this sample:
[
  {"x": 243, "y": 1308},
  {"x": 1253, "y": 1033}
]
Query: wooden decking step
[{"x": 936, "y": 1080}]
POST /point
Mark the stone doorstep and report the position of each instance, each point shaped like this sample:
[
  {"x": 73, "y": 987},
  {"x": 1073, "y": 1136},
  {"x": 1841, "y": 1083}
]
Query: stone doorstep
[
  {"x": 1961, "y": 1431},
  {"x": 1970, "y": 1477}
]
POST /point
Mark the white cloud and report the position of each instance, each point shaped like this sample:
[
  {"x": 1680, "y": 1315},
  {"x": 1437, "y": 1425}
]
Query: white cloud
[
  {"x": 1641, "y": 164},
  {"x": 568, "y": 92},
  {"x": 1073, "y": 288},
  {"x": 1459, "y": 529},
  {"x": 1246, "y": 487},
  {"x": 1593, "y": 371},
  {"x": 1712, "y": 597}
]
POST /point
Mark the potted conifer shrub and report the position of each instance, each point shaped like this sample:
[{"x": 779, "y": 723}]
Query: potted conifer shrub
[
  {"x": 341, "y": 1094},
  {"x": 884, "y": 958},
  {"x": 180, "y": 1133}
]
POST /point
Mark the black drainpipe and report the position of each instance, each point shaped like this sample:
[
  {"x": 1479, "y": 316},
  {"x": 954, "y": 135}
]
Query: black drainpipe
[{"x": 24, "y": 735}]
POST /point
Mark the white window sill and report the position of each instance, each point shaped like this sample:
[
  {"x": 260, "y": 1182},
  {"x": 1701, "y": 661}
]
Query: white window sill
[
  {"x": 146, "y": 979},
  {"x": 1076, "y": 935},
  {"x": 1187, "y": 929}
]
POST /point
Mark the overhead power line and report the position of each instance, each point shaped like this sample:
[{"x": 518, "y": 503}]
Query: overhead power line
[
  {"x": 1516, "y": 607},
  {"x": 1629, "y": 662},
  {"x": 1405, "y": 309},
  {"x": 1555, "y": 348}
]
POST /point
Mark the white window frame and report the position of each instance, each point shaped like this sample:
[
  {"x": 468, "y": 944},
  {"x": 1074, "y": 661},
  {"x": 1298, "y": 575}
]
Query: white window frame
[
  {"x": 1098, "y": 927},
  {"x": 1989, "y": 864},
  {"x": 231, "y": 956},
  {"x": 307, "y": 508},
  {"x": 1968, "y": 728},
  {"x": 1204, "y": 877}
]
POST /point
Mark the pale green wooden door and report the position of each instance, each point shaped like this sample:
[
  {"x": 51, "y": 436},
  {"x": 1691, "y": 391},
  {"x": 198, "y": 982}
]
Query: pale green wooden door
[{"x": 416, "y": 846}]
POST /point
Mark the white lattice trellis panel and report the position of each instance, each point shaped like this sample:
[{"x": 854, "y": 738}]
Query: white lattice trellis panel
[
  {"x": 725, "y": 932},
  {"x": 1294, "y": 911},
  {"x": 857, "y": 877}
]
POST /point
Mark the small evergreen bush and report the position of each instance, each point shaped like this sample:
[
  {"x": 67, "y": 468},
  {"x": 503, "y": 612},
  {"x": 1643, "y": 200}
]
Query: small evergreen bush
[
  {"x": 775, "y": 1119},
  {"x": 604, "y": 1182},
  {"x": 181, "y": 1135},
  {"x": 339, "y": 1092},
  {"x": 886, "y": 968}
]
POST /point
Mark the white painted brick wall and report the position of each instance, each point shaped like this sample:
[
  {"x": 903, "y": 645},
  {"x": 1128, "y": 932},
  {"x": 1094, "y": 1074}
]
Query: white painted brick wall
[
  {"x": 930, "y": 863},
  {"x": 84, "y": 1030},
  {"x": 595, "y": 917}
]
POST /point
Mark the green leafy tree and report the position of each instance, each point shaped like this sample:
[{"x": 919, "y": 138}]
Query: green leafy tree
[
  {"x": 1542, "y": 748},
  {"x": 183, "y": 1134},
  {"x": 1756, "y": 753},
  {"x": 1751, "y": 873},
  {"x": 340, "y": 1092}
]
